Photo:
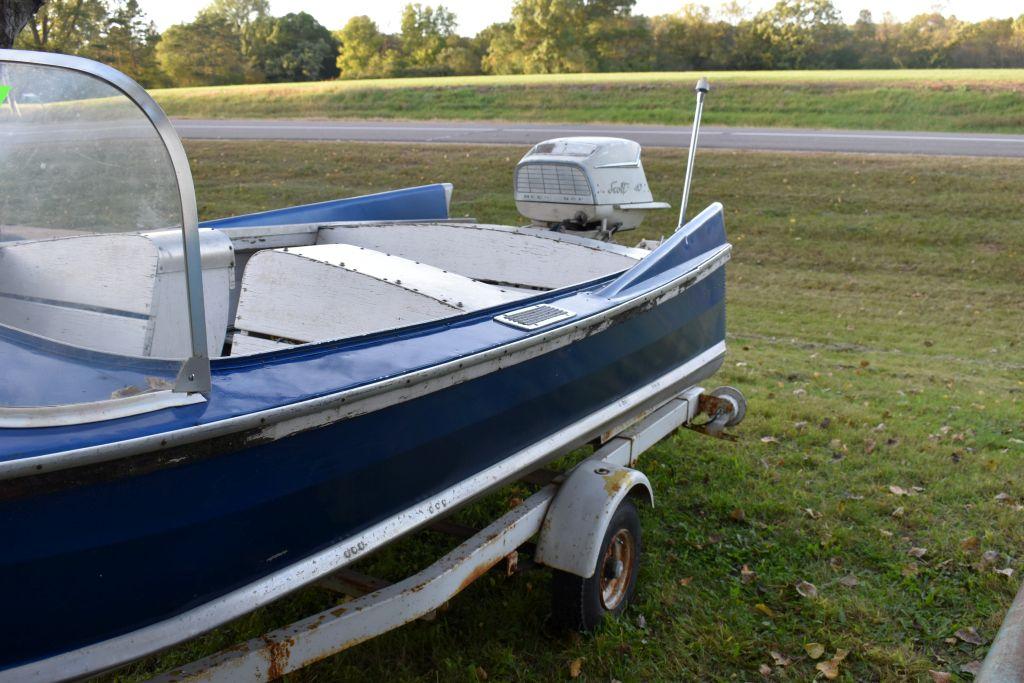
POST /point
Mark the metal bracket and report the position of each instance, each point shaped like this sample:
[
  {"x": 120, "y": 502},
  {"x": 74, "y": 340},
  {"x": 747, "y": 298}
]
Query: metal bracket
[{"x": 194, "y": 376}]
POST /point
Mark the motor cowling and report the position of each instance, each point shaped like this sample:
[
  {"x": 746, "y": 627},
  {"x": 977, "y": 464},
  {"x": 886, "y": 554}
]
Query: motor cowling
[{"x": 584, "y": 184}]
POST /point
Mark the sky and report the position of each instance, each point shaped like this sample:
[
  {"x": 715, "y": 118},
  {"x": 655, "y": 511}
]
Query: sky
[{"x": 474, "y": 15}]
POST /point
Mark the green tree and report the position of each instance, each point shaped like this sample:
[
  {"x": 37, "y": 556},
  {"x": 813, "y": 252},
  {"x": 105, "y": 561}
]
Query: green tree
[
  {"x": 501, "y": 52},
  {"x": 365, "y": 52},
  {"x": 927, "y": 41},
  {"x": 803, "y": 34},
  {"x": 548, "y": 37},
  {"x": 425, "y": 33},
  {"x": 68, "y": 26},
  {"x": 691, "y": 39},
  {"x": 206, "y": 51},
  {"x": 128, "y": 43},
  {"x": 241, "y": 14},
  {"x": 459, "y": 57},
  {"x": 296, "y": 47},
  {"x": 250, "y": 19}
]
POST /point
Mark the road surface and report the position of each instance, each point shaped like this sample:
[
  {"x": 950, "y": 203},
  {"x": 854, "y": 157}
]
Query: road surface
[{"x": 525, "y": 134}]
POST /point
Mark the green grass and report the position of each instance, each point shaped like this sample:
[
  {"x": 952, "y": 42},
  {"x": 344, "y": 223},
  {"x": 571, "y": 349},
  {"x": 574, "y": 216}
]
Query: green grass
[
  {"x": 979, "y": 100},
  {"x": 875, "y": 325}
]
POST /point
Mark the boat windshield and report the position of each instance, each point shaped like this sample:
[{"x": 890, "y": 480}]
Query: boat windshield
[{"x": 93, "y": 302}]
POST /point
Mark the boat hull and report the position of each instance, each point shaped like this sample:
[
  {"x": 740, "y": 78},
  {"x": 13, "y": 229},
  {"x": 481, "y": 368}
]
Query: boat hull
[{"x": 198, "y": 531}]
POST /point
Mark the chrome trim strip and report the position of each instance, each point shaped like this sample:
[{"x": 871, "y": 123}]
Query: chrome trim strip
[
  {"x": 95, "y": 411},
  {"x": 195, "y": 371},
  {"x": 122, "y": 649},
  {"x": 282, "y": 421}
]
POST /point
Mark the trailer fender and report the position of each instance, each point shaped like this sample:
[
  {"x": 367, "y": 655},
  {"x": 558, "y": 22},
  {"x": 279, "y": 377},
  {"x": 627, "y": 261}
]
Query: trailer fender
[{"x": 576, "y": 521}]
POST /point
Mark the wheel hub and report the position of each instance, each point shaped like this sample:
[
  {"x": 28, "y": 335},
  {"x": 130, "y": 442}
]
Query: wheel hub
[{"x": 617, "y": 569}]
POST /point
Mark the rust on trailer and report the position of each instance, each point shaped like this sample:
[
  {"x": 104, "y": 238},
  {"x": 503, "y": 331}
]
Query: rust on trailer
[
  {"x": 512, "y": 563},
  {"x": 615, "y": 480},
  {"x": 278, "y": 653},
  {"x": 712, "y": 405},
  {"x": 477, "y": 572}
]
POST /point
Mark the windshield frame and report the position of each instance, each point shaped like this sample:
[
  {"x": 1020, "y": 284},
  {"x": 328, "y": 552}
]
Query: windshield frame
[{"x": 194, "y": 374}]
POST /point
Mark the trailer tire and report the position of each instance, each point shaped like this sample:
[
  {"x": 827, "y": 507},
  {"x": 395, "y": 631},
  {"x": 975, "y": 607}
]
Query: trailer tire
[{"x": 579, "y": 604}]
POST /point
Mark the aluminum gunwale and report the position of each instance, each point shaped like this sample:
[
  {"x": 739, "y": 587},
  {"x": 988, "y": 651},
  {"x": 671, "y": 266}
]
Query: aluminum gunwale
[
  {"x": 105, "y": 655},
  {"x": 195, "y": 371},
  {"x": 94, "y": 411},
  {"x": 270, "y": 421}
]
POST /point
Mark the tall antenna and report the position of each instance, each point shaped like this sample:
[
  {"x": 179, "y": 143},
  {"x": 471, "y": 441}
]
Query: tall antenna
[{"x": 702, "y": 90}]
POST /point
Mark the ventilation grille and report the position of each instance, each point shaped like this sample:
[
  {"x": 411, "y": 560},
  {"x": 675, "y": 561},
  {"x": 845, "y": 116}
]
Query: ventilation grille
[
  {"x": 553, "y": 180},
  {"x": 534, "y": 317}
]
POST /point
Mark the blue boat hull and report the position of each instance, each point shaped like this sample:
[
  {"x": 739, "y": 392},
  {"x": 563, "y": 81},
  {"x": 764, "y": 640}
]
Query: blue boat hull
[{"x": 105, "y": 549}]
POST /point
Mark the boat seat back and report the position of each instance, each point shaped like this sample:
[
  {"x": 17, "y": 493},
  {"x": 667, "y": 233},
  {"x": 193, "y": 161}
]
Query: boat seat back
[
  {"x": 298, "y": 295},
  {"x": 119, "y": 293},
  {"x": 519, "y": 257}
]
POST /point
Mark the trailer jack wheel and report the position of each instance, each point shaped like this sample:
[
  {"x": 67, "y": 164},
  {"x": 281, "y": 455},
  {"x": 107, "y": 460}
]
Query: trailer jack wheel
[{"x": 580, "y": 604}]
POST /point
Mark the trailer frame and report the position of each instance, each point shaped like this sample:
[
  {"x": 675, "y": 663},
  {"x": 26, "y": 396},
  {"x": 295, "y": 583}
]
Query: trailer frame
[{"x": 381, "y": 607}]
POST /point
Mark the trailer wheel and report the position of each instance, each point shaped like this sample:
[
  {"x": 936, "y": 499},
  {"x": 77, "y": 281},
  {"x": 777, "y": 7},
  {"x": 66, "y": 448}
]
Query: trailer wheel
[{"x": 580, "y": 604}]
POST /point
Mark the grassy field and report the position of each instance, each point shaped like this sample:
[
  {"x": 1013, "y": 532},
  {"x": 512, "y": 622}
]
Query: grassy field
[
  {"x": 978, "y": 100},
  {"x": 875, "y": 324}
]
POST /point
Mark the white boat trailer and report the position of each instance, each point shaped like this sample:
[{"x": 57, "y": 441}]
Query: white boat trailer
[{"x": 569, "y": 516}]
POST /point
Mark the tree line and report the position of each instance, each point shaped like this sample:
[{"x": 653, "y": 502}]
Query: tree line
[{"x": 238, "y": 41}]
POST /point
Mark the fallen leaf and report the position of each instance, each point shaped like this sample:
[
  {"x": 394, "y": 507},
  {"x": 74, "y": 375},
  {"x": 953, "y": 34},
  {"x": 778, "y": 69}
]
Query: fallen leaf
[
  {"x": 814, "y": 650},
  {"x": 989, "y": 557},
  {"x": 909, "y": 570},
  {"x": 917, "y": 552},
  {"x": 812, "y": 513},
  {"x": 850, "y": 581},
  {"x": 807, "y": 589},
  {"x": 969, "y": 635},
  {"x": 1003, "y": 496},
  {"x": 800, "y": 425},
  {"x": 685, "y": 581},
  {"x": 917, "y": 489},
  {"x": 738, "y": 515},
  {"x": 641, "y": 621},
  {"x": 576, "y": 667},
  {"x": 1008, "y": 572},
  {"x": 898, "y": 512},
  {"x": 481, "y": 674},
  {"x": 747, "y": 574},
  {"x": 769, "y": 439},
  {"x": 831, "y": 667},
  {"x": 973, "y": 668},
  {"x": 970, "y": 545},
  {"x": 765, "y": 670},
  {"x": 885, "y": 532},
  {"x": 879, "y": 428},
  {"x": 940, "y": 676},
  {"x": 780, "y": 659},
  {"x": 869, "y": 446},
  {"x": 764, "y": 609},
  {"x": 898, "y": 491}
]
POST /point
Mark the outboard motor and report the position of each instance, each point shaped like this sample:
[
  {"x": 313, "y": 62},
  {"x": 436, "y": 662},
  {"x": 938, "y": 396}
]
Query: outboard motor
[{"x": 592, "y": 185}]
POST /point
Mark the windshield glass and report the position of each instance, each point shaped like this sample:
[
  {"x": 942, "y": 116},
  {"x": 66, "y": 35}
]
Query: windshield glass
[{"x": 92, "y": 292}]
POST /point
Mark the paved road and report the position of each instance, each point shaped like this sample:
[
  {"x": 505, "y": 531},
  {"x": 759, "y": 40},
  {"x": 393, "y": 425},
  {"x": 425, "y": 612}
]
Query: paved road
[{"x": 525, "y": 134}]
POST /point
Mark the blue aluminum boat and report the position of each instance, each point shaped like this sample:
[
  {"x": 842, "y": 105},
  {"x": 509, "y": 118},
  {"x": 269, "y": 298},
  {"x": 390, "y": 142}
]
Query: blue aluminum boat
[{"x": 198, "y": 418}]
